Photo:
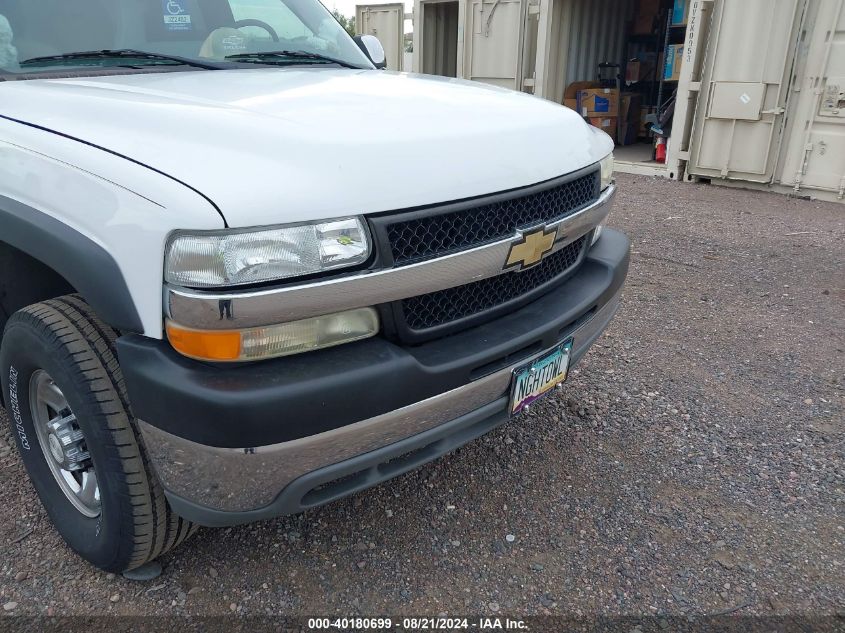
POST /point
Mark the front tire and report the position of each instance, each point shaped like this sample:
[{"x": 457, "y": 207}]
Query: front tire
[{"x": 73, "y": 426}]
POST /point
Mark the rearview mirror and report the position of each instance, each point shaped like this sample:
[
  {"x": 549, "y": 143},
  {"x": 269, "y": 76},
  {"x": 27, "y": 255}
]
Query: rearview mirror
[{"x": 373, "y": 49}]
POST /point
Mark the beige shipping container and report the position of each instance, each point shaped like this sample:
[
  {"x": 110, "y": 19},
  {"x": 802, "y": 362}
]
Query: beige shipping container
[
  {"x": 472, "y": 39},
  {"x": 813, "y": 160},
  {"x": 387, "y": 23},
  {"x": 770, "y": 105},
  {"x": 761, "y": 93}
]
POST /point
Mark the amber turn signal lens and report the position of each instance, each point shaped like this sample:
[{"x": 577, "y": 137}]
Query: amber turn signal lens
[
  {"x": 273, "y": 341},
  {"x": 205, "y": 345}
]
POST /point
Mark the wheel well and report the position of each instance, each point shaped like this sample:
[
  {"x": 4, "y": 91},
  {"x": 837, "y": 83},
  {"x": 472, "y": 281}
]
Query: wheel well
[
  {"x": 85, "y": 266},
  {"x": 25, "y": 280}
]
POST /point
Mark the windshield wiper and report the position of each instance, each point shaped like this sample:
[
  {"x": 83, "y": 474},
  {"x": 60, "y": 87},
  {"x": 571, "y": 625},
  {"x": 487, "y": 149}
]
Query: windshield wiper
[
  {"x": 124, "y": 53},
  {"x": 270, "y": 57}
]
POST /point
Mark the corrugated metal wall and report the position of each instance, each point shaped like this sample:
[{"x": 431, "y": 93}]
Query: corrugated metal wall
[{"x": 596, "y": 33}]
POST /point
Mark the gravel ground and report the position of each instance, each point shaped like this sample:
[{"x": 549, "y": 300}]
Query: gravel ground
[{"x": 693, "y": 464}]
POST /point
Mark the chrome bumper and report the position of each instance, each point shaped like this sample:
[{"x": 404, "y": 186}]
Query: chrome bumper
[
  {"x": 245, "y": 479},
  {"x": 198, "y": 309}
]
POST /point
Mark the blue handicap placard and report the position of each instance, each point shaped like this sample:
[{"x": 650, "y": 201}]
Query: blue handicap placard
[{"x": 176, "y": 15}]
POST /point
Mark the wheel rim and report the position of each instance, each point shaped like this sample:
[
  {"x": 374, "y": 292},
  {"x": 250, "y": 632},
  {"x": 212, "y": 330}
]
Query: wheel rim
[{"x": 63, "y": 444}]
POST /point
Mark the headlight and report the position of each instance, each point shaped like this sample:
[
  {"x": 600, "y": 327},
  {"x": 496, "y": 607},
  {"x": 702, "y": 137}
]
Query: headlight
[
  {"x": 273, "y": 341},
  {"x": 607, "y": 172},
  {"x": 235, "y": 258},
  {"x": 606, "y": 181}
]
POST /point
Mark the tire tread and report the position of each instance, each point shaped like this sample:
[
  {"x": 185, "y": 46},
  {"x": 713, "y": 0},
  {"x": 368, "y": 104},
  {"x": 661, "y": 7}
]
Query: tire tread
[{"x": 90, "y": 348}]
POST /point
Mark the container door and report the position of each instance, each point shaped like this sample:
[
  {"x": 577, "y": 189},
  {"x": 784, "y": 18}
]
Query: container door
[
  {"x": 387, "y": 23},
  {"x": 438, "y": 37},
  {"x": 814, "y": 157},
  {"x": 493, "y": 48},
  {"x": 738, "y": 123}
]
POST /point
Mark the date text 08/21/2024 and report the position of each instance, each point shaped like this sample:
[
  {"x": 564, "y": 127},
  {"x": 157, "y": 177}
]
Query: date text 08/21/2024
[{"x": 417, "y": 624}]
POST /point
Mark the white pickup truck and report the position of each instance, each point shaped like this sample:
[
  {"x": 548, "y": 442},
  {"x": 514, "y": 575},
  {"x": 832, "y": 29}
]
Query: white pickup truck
[{"x": 244, "y": 272}]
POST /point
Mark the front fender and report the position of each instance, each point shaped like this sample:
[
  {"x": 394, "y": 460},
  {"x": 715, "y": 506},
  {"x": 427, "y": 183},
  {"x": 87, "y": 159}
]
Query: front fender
[
  {"x": 99, "y": 220},
  {"x": 86, "y": 265}
]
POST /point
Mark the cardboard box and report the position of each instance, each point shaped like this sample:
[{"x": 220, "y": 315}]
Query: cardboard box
[
  {"x": 643, "y": 25},
  {"x": 649, "y": 7},
  {"x": 570, "y": 95},
  {"x": 598, "y": 102},
  {"x": 674, "y": 60},
  {"x": 640, "y": 69},
  {"x": 575, "y": 87},
  {"x": 634, "y": 71},
  {"x": 680, "y": 12},
  {"x": 644, "y": 20},
  {"x": 606, "y": 124}
]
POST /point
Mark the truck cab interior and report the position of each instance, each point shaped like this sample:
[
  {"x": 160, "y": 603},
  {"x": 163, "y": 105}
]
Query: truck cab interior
[{"x": 187, "y": 28}]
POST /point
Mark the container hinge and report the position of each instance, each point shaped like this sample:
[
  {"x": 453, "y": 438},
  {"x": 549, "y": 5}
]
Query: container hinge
[
  {"x": 842, "y": 188},
  {"x": 803, "y": 171},
  {"x": 776, "y": 111}
]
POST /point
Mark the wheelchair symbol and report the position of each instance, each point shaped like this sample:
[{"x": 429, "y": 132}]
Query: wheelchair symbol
[{"x": 174, "y": 8}]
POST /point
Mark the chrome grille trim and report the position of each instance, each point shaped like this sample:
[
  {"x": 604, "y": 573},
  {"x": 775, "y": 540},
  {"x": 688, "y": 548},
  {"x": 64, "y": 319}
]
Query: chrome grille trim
[
  {"x": 454, "y": 307},
  {"x": 431, "y": 233},
  {"x": 198, "y": 309}
]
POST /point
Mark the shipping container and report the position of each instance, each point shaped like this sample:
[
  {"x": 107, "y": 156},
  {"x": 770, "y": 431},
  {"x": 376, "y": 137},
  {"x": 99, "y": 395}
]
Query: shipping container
[
  {"x": 472, "y": 39},
  {"x": 813, "y": 157},
  {"x": 749, "y": 92},
  {"x": 387, "y": 23}
]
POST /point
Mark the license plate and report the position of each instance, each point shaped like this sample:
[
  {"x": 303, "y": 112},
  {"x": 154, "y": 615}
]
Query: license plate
[{"x": 531, "y": 382}]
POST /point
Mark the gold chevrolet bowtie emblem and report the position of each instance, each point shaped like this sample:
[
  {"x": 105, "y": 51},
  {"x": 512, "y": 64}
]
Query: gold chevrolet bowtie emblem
[{"x": 531, "y": 248}]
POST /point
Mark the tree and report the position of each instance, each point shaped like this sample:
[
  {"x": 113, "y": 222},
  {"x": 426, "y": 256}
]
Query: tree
[{"x": 346, "y": 23}]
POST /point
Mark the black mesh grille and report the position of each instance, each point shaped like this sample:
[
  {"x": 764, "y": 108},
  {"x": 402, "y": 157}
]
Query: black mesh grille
[
  {"x": 436, "y": 308},
  {"x": 438, "y": 235}
]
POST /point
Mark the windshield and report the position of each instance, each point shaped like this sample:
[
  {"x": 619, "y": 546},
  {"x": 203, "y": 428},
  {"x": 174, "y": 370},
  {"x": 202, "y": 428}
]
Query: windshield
[{"x": 39, "y": 36}]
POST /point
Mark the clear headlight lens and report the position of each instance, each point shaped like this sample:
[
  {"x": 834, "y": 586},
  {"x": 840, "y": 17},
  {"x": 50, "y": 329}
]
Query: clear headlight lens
[
  {"x": 273, "y": 341},
  {"x": 234, "y": 258},
  {"x": 606, "y": 181},
  {"x": 607, "y": 172}
]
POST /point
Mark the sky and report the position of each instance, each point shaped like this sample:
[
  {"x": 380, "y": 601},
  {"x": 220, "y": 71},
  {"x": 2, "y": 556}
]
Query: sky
[{"x": 347, "y": 7}]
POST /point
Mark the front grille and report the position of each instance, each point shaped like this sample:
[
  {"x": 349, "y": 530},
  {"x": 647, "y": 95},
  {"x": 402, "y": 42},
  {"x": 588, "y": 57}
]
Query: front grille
[
  {"x": 436, "y": 235},
  {"x": 445, "y": 306}
]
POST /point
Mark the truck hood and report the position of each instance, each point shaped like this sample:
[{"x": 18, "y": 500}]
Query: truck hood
[{"x": 270, "y": 146}]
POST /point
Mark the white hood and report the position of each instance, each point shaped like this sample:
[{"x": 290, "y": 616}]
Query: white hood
[{"x": 273, "y": 146}]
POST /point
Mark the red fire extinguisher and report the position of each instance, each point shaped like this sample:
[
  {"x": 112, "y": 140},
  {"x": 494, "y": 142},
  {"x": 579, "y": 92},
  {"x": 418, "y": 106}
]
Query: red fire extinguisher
[{"x": 660, "y": 149}]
